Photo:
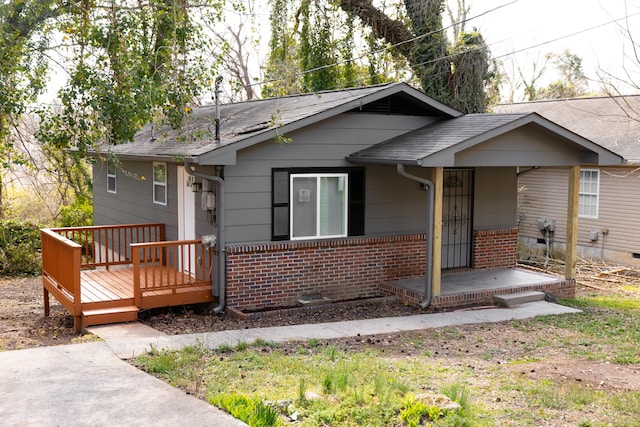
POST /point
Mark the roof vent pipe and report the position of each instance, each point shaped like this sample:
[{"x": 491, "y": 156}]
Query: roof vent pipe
[
  {"x": 216, "y": 94},
  {"x": 429, "y": 253}
]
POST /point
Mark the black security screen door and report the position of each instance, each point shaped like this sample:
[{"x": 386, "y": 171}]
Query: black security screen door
[{"x": 457, "y": 208}]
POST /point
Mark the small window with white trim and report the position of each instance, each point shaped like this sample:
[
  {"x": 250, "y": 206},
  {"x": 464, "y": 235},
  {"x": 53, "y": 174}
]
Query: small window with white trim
[
  {"x": 589, "y": 193},
  {"x": 160, "y": 183},
  {"x": 112, "y": 185}
]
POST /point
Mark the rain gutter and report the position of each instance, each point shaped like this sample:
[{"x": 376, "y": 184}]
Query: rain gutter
[{"x": 221, "y": 239}]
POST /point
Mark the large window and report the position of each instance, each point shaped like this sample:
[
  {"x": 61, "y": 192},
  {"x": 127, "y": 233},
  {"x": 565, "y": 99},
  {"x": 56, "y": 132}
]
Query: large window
[
  {"x": 112, "y": 185},
  {"x": 589, "y": 193},
  {"x": 317, "y": 203},
  {"x": 160, "y": 183}
]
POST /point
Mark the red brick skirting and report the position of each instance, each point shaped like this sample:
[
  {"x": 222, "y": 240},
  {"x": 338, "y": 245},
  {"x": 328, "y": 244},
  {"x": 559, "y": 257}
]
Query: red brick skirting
[
  {"x": 495, "y": 248},
  {"x": 278, "y": 274}
]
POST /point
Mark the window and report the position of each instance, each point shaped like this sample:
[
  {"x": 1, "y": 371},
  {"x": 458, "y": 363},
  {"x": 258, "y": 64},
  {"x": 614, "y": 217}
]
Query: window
[
  {"x": 160, "y": 183},
  {"x": 317, "y": 203},
  {"x": 588, "y": 194},
  {"x": 111, "y": 178}
]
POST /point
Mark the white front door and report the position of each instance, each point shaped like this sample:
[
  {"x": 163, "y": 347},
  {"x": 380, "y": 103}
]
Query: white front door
[{"x": 186, "y": 214}]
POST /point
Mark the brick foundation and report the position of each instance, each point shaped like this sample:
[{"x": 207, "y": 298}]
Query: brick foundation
[
  {"x": 278, "y": 274},
  {"x": 495, "y": 248}
]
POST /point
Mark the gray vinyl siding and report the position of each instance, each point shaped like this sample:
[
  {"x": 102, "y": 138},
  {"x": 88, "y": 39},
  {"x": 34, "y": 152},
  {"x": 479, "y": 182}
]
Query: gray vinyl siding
[
  {"x": 542, "y": 194},
  {"x": 529, "y": 145},
  {"x": 545, "y": 196},
  {"x": 495, "y": 200},
  {"x": 388, "y": 196},
  {"x": 133, "y": 202}
]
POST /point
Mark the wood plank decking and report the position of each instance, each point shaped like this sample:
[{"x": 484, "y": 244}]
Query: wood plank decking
[
  {"x": 106, "y": 274},
  {"x": 107, "y": 296}
]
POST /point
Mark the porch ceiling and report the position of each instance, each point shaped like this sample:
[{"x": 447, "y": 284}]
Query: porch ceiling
[{"x": 477, "y": 140}]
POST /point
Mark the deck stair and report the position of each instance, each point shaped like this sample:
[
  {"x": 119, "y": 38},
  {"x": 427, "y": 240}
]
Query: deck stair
[
  {"x": 519, "y": 298},
  {"x": 103, "y": 316}
]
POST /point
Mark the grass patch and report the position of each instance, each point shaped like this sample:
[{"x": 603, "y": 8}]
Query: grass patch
[
  {"x": 326, "y": 385},
  {"x": 251, "y": 410}
]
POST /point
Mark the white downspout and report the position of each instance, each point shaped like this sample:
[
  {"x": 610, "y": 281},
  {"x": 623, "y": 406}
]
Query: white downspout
[
  {"x": 429, "y": 254},
  {"x": 221, "y": 240}
]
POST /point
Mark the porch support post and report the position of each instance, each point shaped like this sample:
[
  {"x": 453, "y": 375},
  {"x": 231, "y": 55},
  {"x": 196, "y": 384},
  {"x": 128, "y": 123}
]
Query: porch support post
[
  {"x": 436, "y": 232},
  {"x": 572, "y": 223}
]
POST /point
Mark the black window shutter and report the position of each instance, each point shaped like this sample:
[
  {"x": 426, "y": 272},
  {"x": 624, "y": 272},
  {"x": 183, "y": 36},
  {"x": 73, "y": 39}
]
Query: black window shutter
[
  {"x": 280, "y": 204},
  {"x": 356, "y": 202}
]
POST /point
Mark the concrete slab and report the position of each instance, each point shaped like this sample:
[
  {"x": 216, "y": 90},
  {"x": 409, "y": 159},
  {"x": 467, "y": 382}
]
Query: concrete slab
[
  {"x": 87, "y": 385},
  {"x": 519, "y": 297},
  {"x": 125, "y": 348}
]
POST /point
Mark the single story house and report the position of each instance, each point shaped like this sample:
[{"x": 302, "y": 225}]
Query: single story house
[
  {"x": 337, "y": 195},
  {"x": 609, "y": 210}
]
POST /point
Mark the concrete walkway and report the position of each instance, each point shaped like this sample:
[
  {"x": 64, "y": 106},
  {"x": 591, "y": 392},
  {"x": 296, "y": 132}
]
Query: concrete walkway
[{"x": 88, "y": 384}]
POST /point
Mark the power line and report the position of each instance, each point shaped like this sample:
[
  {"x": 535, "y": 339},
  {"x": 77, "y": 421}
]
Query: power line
[
  {"x": 301, "y": 73},
  {"x": 387, "y": 48}
]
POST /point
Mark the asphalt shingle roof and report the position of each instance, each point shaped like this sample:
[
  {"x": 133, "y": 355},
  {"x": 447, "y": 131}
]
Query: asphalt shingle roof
[{"x": 256, "y": 120}]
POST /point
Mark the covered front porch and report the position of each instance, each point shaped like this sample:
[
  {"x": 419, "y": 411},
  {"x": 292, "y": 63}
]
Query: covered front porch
[{"x": 463, "y": 288}]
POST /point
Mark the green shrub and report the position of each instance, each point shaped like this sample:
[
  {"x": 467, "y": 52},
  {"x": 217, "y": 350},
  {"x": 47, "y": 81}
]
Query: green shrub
[
  {"x": 19, "y": 249},
  {"x": 77, "y": 214}
]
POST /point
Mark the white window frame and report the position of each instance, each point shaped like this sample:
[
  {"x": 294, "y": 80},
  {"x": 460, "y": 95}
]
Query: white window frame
[
  {"x": 157, "y": 184},
  {"x": 594, "y": 197},
  {"x": 112, "y": 177},
  {"x": 317, "y": 177}
]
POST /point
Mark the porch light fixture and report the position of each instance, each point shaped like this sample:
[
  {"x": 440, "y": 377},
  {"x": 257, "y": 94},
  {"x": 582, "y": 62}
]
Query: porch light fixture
[{"x": 195, "y": 186}]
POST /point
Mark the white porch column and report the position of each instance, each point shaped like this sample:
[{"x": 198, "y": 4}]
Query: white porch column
[{"x": 572, "y": 223}]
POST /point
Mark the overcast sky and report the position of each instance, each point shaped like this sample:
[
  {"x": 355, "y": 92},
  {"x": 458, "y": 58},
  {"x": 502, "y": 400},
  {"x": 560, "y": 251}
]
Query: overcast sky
[{"x": 522, "y": 24}]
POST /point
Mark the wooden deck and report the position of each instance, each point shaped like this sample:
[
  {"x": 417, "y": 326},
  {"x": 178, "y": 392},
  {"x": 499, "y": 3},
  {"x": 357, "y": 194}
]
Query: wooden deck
[{"x": 107, "y": 274}]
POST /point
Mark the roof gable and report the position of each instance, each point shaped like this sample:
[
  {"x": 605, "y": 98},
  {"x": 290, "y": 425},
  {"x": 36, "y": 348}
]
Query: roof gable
[
  {"x": 457, "y": 142},
  {"x": 246, "y": 123},
  {"x": 613, "y": 122}
]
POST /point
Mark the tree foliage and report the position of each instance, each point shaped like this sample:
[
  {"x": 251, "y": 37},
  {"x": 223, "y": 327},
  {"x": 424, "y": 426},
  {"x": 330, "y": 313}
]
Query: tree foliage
[
  {"x": 572, "y": 82},
  {"x": 127, "y": 63},
  {"x": 322, "y": 49}
]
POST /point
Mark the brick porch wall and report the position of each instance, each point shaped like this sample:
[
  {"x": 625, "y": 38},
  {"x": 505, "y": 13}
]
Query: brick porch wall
[
  {"x": 495, "y": 248},
  {"x": 278, "y": 274}
]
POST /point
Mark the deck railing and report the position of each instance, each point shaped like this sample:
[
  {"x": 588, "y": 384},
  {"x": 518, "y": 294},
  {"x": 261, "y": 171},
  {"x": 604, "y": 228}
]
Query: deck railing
[
  {"x": 61, "y": 260},
  {"x": 171, "y": 266},
  {"x": 109, "y": 245}
]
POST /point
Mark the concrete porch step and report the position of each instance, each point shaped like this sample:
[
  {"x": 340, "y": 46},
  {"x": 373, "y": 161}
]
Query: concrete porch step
[{"x": 519, "y": 298}]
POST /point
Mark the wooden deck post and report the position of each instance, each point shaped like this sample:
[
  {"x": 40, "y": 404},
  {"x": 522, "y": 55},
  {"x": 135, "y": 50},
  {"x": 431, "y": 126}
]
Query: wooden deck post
[
  {"x": 572, "y": 223},
  {"x": 46, "y": 300},
  {"x": 436, "y": 233},
  {"x": 137, "y": 292}
]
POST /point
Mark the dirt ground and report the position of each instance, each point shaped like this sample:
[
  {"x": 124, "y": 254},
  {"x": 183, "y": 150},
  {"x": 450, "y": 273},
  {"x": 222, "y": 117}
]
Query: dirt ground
[{"x": 23, "y": 325}]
